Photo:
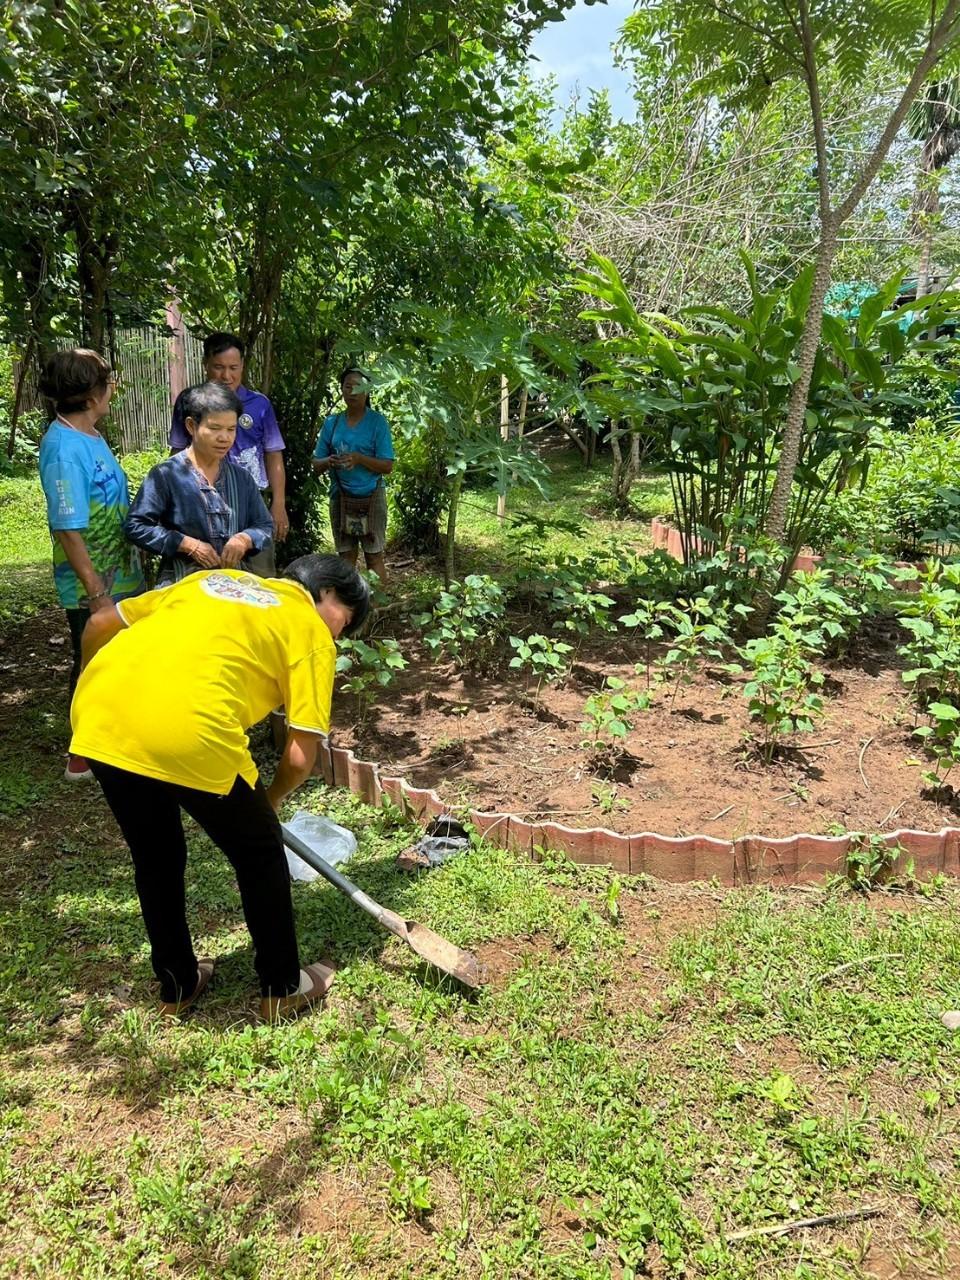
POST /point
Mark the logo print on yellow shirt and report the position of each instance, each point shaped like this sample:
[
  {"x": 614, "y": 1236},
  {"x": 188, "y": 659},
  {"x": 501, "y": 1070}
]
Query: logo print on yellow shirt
[{"x": 243, "y": 590}]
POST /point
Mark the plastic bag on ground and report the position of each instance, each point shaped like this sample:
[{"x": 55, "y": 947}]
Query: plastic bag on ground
[
  {"x": 333, "y": 843},
  {"x": 444, "y": 838}
]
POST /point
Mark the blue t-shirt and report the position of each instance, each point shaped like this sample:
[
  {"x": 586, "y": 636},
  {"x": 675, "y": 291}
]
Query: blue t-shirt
[
  {"x": 86, "y": 490},
  {"x": 257, "y": 433},
  {"x": 371, "y": 437}
]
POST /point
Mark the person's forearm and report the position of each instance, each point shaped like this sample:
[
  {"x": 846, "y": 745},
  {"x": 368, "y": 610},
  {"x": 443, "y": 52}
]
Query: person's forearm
[
  {"x": 78, "y": 557},
  {"x": 101, "y": 628},
  {"x": 382, "y": 466},
  {"x": 296, "y": 765},
  {"x": 276, "y": 477}
]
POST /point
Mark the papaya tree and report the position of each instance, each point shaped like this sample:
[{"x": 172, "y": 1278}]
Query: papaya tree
[{"x": 444, "y": 379}]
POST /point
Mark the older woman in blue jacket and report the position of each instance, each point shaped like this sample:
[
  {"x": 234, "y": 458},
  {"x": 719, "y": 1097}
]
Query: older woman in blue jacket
[{"x": 197, "y": 510}]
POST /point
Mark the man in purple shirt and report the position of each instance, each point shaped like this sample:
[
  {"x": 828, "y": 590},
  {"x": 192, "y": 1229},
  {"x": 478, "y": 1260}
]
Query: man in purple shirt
[{"x": 258, "y": 447}]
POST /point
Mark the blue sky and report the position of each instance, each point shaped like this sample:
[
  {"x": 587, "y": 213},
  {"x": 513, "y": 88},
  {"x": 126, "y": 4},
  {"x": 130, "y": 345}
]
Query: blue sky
[{"x": 577, "y": 52}]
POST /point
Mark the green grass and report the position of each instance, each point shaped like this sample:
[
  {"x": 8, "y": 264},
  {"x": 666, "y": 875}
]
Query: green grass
[
  {"x": 620, "y": 1094},
  {"x": 26, "y": 578},
  {"x": 575, "y": 495}
]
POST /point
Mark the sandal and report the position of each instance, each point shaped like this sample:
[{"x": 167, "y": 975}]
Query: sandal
[
  {"x": 278, "y": 1008},
  {"x": 173, "y": 1008}
]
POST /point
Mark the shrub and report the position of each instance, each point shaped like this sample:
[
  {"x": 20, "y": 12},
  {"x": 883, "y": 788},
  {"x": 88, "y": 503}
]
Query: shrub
[
  {"x": 418, "y": 492},
  {"x": 909, "y": 503},
  {"x": 367, "y": 666},
  {"x": 466, "y": 621}
]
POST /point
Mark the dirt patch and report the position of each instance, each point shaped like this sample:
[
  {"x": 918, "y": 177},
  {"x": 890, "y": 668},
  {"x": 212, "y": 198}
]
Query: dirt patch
[
  {"x": 688, "y": 767},
  {"x": 502, "y": 957}
]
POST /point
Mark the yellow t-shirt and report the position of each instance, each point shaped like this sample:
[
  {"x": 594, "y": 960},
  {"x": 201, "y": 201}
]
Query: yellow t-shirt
[{"x": 172, "y": 696}]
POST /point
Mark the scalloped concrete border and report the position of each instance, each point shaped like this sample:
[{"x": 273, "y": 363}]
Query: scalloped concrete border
[{"x": 748, "y": 860}]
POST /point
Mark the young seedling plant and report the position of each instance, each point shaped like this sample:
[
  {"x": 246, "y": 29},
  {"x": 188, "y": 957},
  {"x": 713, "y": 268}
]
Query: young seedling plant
[
  {"x": 607, "y": 721},
  {"x": 366, "y": 667},
  {"x": 465, "y": 623},
  {"x": 782, "y": 691},
  {"x": 541, "y": 656}
]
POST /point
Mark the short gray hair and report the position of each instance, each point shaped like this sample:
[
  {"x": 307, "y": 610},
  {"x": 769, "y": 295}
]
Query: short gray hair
[{"x": 210, "y": 397}]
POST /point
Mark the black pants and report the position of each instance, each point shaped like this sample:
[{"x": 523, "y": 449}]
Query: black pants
[
  {"x": 245, "y": 827},
  {"x": 76, "y": 620}
]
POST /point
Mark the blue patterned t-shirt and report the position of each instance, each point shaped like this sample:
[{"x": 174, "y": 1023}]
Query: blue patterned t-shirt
[{"x": 86, "y": 490}]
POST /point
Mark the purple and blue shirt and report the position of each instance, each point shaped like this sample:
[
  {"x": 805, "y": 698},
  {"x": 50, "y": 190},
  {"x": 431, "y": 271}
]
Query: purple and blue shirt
[{"x": 257, "y": 433}]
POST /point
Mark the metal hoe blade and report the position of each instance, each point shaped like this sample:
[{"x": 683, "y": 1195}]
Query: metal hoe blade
[
  {"x": 460, "y": 964},
  {"x": 430, "y": 946}
]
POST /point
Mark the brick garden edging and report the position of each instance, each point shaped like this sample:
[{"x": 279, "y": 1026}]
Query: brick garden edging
[{"x": 747, "y": 860}]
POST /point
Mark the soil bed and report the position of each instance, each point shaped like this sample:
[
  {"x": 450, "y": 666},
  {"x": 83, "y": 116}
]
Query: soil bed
[{"x": 688, "y": 768}]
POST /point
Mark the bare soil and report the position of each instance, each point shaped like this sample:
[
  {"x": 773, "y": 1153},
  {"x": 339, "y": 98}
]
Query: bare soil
[{"x": 494, "y": 742}]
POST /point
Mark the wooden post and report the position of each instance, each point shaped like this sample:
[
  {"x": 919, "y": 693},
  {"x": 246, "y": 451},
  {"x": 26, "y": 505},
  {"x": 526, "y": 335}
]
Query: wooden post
[
  {"x": 504, "y": 435},
  {"x": 177, "y": 361}
]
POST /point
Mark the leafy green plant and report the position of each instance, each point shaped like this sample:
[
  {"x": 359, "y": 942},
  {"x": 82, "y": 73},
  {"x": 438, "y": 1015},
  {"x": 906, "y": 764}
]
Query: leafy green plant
[
  {"x": 869, "y": 861},
  {"x": 718, "y": 388},
  {"x": 941, "y": 741},
  {"x": 906, "y": 502},
  {"x": 543, "y": 656},
  {"x": 466, "y": 621},
  {"x": 572, "y": 601},
  {"x": 932, "y": 617},
  {"x": 782, "y": 689},
  {"x": 607, "y": 719},
  {"x": 701, "y": 629},
  {"x": 366, "y": 666},
  {"x": 606, "y": 799}
]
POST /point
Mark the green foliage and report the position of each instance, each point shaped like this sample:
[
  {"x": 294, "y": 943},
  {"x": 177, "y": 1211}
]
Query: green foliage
[
  {"x": 366, "y": 666},
  {"x": 908, "y": 502},
  {"x": 466, "y": 621},
  {"x": 543, "y": 656},
  {"x": 136, "y": 466},
  {"x": 700, "y": 628},
  {"x": 781, "y": 691},
  {"x": 870, "y": 860},
  {"x": 418, "y": 491},
  {"x": 739, "y": 51},
  {"x": 607, "y": 719},
  {"x": 718, "y": 394},
  {"x": 931, "y": 615},
  {"x": 929, "y": 386}
]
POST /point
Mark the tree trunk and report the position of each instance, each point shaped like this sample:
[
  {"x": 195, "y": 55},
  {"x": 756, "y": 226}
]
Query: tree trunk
[
  {"x": 18, "y": 396},
  {"x": 449, "y": 567},
  {"x": 776, "y": 521},
  {"x": 504, "y": 435},
  {"x": 95, "y": 255}
]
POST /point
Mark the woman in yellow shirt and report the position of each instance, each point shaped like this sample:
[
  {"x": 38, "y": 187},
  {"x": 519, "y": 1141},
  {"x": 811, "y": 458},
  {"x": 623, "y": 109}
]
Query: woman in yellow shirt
[{"x": 172, "y": 681}]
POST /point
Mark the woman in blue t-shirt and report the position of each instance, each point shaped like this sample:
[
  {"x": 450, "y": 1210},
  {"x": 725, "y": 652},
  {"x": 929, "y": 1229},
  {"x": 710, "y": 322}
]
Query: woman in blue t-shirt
[
  {"x": 87, "y": 500},
  {"x": 355, "y": 447}
]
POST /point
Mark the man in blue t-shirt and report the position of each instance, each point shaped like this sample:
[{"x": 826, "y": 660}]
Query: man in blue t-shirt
[
  {"x": 355, "y": 447},
  {"x": 258, "y": 446}
]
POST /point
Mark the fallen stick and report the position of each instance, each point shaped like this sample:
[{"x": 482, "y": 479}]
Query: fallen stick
[
  {"x": 855, "y": 964},
  {"x": 721, "y": 814},
  {"x": 824, "y": 1220},
  {"x": 815, "y": 746},
  {"x": 863, "y": 752}
]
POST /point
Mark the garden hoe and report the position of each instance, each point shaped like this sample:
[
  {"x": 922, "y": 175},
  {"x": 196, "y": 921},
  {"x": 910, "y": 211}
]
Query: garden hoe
[{"x": 462, "y": 965}]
